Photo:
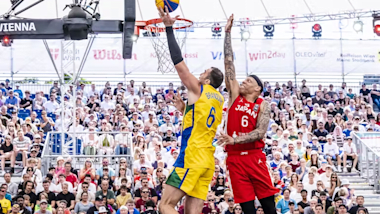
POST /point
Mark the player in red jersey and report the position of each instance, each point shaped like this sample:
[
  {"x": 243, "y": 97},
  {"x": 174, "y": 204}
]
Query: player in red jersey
[{"x": 248, "y": 119}]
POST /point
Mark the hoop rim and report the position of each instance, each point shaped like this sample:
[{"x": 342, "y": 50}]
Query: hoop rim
[{"x": 155, "y": 29}]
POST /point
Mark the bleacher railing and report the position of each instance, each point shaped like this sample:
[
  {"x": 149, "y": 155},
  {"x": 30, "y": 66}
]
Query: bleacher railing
[
  {"x": 73, "y": 145},
  {"x": 46, "y": 87},
  {"x": 368, "y": 149}
]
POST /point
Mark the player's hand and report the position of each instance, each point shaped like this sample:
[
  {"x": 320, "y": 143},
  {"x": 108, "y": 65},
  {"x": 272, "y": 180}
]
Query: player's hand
[
  {"x": 229, "y": 24},
  {"x": 166, "y": 19},
  {"x": 178, "y": 102},
  {"x": 225, "y": 139}
]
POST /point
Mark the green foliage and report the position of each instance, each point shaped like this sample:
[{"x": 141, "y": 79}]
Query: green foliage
[{"x": 28, "y": 81}]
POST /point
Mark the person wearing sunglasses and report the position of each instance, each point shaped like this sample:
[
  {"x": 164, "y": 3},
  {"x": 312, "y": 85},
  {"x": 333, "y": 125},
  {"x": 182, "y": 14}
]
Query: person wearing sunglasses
[
  {"x": 140, "y": 203},
  {"x": 210, "y": 204},
  {"x": 237, "y": 209}
]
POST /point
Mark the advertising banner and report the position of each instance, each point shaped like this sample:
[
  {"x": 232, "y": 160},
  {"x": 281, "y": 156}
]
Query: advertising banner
[{"x": 277, "y": 57}]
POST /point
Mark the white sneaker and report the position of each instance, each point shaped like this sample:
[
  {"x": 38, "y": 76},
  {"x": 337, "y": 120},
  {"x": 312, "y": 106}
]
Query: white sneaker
[
  {"x": 2, "y": 173},
  {"x": 345, "y": 169},
  {"x": 354, "y": 170},
  {"x": 340, "y": 169}
]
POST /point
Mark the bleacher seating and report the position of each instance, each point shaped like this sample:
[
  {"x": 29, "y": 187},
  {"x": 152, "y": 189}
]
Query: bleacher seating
[{"x": 23, "y": 113}]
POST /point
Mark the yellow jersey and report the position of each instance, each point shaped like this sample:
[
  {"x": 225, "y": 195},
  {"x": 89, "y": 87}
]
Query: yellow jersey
[
  {"x": 6, "y": 205},
  {"x": 200, "y": 123}
]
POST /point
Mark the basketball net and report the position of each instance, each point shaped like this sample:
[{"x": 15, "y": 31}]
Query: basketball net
[{"x": 157, "y": 36}]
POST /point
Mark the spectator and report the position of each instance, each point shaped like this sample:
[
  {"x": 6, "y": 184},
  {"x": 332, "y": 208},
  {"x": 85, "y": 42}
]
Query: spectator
[
  {"x": 51, "y": 106},
  {"x": 12, "y": 187},
  {"x": 27, "y": 102},
  {"x": 124, "y": 196},
  {"x": 283, "y": 205},
  {"x": 7, "y": 152},
  {"x": 70, "y": 177},
  {"x": 99, "y": 207},
  {"x": 84, "y": 204},
  {"x": 66, "y": 196},
  {"x": 46, "y": 123},
  {"x": 297, "y": 194},
  {"x": 302, "y": 170},
  {"x": 85, "y": 187},
  {"x": 99, "y": 171},
  {"x": 28, "y": 190},
  {"x": 5, "y": 203},
  {"x": 20, "y": 202},
  {"x": 331, "y": 151},
  {"x": 230, "y": 208},
  {"x": 359, "y": 205},
  {"x": 106, "y": 193},
  {"x": 87, "y": 170},
  {"x": 12, "y": 102},
  {"x": 140, "y": 203},
  {"x": 310, "y": 184},
  {"x": 49, "y": 196},
  {"x": 349, "y": 153}
]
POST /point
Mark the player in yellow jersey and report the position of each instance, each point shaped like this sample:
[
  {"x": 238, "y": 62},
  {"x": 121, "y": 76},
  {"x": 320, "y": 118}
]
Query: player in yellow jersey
[{"x": 194, "y": 168}]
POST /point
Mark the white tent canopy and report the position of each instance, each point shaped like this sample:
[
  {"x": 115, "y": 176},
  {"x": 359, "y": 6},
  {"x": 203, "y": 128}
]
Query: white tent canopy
[{"x": 206, "y": 10}]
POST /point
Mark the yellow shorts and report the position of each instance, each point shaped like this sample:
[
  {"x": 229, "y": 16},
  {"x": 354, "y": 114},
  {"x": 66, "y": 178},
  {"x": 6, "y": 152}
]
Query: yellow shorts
[{"x": 194, "y": 182}]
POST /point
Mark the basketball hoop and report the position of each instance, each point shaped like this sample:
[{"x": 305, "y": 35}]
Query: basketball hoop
[{"x": 155, "y": 29}]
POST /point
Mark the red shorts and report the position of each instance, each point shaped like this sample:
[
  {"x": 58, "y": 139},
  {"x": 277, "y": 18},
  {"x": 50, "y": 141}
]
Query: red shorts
[{"x": 249, "y": 175}]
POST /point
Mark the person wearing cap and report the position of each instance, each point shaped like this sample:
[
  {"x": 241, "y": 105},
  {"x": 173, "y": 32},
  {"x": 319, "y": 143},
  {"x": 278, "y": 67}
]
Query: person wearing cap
[
  {"x": 372, "y": 124},
  {"x": 350, "y": 153},
  {"x": 43, "y": 207},
  {"x": 15, "y": 209},
  {"x": 99, "y": 207},
  {"x": 169, "y": 136},
  {"x": 331, "y": 152},
  {"x": 342, "y": 209},
  {"x": 230, "y": 209}
]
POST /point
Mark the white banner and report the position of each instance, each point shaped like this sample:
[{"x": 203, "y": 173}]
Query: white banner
[{"x": 258, "y": 56}]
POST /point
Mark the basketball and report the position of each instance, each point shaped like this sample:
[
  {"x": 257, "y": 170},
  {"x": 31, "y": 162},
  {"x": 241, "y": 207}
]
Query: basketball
[{"x": 171, "y": 4}]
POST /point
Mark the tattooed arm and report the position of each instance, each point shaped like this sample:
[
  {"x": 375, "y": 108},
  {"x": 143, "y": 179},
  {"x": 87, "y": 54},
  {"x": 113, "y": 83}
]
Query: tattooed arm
[
  {"x": 232, "y": 84},
  {"x": 261, "y": 126}
]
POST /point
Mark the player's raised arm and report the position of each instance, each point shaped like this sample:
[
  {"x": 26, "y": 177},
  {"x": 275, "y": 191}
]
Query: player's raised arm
[
  {"x": 188, "y": 79},
  {"x": 232, "y": 84}
]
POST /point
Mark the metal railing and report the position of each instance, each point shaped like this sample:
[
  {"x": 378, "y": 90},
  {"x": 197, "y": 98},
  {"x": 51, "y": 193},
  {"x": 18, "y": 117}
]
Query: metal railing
[
  {"x": 72, "y": 144},
  {"x": 33, "y": 88},
  {"x": 368, "y": 149}
]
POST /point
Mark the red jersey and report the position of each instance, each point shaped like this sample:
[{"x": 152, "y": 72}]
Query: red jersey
[{"x": 242, "y": 119}]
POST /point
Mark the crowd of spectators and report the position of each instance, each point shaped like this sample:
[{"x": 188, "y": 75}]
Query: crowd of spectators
[{"x": 309, "y": 140}]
